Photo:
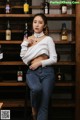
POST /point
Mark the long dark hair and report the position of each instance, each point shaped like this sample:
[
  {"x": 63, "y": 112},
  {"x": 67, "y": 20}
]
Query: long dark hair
[{"x": 45, "y": 29}]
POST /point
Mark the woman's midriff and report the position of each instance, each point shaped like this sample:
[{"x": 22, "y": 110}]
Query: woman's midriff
[{"x": 39, "y": 58}]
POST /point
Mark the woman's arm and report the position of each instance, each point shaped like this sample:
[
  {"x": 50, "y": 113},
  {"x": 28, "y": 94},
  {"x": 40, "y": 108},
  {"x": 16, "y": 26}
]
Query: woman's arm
[
  {"x": 52, "y": 54},
  {"x": 24, "y": 47}
]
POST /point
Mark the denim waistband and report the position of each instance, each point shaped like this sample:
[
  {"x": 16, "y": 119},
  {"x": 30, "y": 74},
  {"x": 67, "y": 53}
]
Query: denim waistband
[{"x": 49, "y": 68}]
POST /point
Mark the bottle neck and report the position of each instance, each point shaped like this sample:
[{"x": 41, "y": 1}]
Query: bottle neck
[
  {"x": 8, "y": 25},
  {"x": 63, "y": 26},
  {"x": 26, "y": 26},
  {"x": 59, "y": 70},
  {"x": 7, "y": 1}
]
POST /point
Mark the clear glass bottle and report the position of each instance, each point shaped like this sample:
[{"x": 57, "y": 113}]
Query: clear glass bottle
[
  {"x": 63, "y": 8},
  {"x": 7, "y": 7},
  {"x": 46, "y": 7},
  {"x": 26, "y": 7},
  {"x": 64, "y": 33},
  {"x": 26, "y": 31},
  {"x": 8, "y": 31},
  {"x": 59, "y": 75},
  {"x": 1, "y": 53}
]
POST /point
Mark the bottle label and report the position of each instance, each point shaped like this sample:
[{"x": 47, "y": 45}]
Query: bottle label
[
  {"x": 46, "y": 10},
  {"x": 20, "y": 78},
  {"x": 59, "y": 77},
  {"x": 64, "y": 37},
  {"x": 8, "y": 35},
  {"x": 7, "y": 9},
  {"x": 64, "y": 9},
  {"x": 26, "y": 8},
  {"x": 1, "y": 56}
]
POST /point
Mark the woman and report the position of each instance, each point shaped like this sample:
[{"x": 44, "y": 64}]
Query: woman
[{"x": 38, "y": 52}]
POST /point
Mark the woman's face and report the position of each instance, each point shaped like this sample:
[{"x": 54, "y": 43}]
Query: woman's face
[{"x": 38, "y": 24}]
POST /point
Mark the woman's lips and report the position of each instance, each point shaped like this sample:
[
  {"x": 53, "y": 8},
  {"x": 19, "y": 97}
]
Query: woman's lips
[{"x": 36, "y": 28}]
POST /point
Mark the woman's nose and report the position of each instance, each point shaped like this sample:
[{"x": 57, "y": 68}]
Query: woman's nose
[{"x": 37, "y": 24}]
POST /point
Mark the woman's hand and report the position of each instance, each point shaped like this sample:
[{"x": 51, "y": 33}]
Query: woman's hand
[
  {"x": 29, "y": 40},
  {"x": 35, "y": 65}
]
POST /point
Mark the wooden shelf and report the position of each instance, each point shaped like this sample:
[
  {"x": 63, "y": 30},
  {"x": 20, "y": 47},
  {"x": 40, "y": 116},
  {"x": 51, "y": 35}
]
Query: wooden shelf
[
  {"x": 10, "y": 41},
  {"x": 63, "y": 104},
  {"x": 64, "y": 42},
  {"x": 66, "y": 84},
  {"x": 31, "y": 15},
  {"x": 13, "y": 83},
  {"x": 61, "y": 15},
  {"x": 21, "y": 103},
  {"x": 20, "y": 41},
  {"x": 13, "y": 103},
  {"x": 8, "y": 83},
  {"x": 65, "y": 63},
  {"x": 16, "y": 15},
  {"x": 20, "y": 31},
  {"x": 59, "y": 31},
  {"x": 21, "y": 63},
  {"x": 12, "y": 63},
  {"x": 12, "y": 31}
]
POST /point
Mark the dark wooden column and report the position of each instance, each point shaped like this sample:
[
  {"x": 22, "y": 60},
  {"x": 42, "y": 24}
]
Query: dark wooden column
[{"x": 78, "y": 61}]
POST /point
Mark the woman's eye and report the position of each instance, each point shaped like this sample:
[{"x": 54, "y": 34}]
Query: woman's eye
[{"x": 34, "y": 22}]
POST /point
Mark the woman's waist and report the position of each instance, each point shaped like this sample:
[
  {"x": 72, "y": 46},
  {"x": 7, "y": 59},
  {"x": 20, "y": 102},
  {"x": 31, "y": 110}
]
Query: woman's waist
[{"x": 39, "y": 58}]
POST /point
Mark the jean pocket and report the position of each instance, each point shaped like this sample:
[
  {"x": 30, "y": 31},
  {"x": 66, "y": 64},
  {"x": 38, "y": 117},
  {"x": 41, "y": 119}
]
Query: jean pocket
[
  {"x": 28, "y": 71},
  {"x": 48, "y": 69}
]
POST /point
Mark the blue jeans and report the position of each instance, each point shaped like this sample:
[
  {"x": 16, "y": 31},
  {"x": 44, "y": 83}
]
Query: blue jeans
[{"x": 41, "y": 82}]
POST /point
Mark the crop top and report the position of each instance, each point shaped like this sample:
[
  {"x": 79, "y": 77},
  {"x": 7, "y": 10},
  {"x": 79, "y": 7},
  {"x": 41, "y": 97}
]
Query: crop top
[{"x": 45, "y": 46}]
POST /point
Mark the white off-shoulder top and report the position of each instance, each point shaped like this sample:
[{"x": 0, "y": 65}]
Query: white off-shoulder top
[{"x": 45, "y": 46}]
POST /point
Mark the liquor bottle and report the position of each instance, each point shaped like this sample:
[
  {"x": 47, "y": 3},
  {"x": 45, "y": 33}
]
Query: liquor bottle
[
  {"x": 59, "y": 75},
  {"x": 7, "y": 7},
  {"x": 19, "y": 75},
  {"x": 26, "y": 31},
  {"x": 8, "y": 31},
  {"x": 46, "y": 7},
  {"x": 64, "y": 8},
  {"x": 26, "y": 7},
  {"x": 64, "y": 34},
  {"x": 1, "y": 53}
]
